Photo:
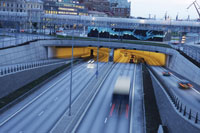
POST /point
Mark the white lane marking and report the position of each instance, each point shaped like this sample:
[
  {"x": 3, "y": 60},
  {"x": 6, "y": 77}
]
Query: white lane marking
[
  {"x": 195, "y": 90},
  {"x": 55, "y": 99},
  {"x": 133, "y": 92},
  {"x": 42, "y": 112},
  {"x": 175, "y": 77},
  {"x": 105, "y": 120},
  {"x": 13, "y": 115}
]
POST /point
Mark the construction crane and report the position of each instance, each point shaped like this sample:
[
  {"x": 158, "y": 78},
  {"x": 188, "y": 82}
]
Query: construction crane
[{"x": 197, "y": 7}]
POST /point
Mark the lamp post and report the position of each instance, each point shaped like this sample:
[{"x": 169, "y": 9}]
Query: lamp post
[
  {"x": 72, "y": 58},
  {"x": 97, "y": 71}
]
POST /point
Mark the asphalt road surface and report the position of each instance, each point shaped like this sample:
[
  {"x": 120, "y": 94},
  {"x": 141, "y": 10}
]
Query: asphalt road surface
[
  {"x": 108, "y": 116},
  {"x": 40, "y": 111}
]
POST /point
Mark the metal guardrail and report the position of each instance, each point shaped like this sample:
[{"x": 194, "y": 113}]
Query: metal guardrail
[
  {"x": 179, "y": 105},
  {"x": 6, "y": 70}
]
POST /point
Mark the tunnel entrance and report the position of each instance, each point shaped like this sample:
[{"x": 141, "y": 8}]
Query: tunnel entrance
[
  {"x": 66, "y": 52},
  {"x": 136, "y": 56},
  {"x": 116, "y": 55}
]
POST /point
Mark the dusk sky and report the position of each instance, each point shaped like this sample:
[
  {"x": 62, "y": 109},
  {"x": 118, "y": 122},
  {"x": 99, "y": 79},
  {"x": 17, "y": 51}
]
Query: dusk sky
[{"x": 143, "y": 8}]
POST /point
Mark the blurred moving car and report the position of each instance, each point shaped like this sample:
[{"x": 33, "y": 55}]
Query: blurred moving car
[
  {"x": 166, "y": 73},
  {"x": 184, "y": 84},
  {"x": 122, "y": 89}
]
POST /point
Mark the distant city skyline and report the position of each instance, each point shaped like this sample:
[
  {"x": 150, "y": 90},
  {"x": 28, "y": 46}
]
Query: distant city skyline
[{"x": 142, "y": 8}]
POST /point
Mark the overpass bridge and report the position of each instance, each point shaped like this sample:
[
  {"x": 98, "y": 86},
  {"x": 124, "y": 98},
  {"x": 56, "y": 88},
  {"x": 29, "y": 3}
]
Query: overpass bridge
[{"x": 51, "y": 20}]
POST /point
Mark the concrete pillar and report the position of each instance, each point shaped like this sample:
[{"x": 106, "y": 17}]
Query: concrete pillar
[
  {"x": 180, "y": 37},
  {"x": 51, "y": 53},
  {"x": 84, "y": 30},
  {"x": 168, "y": 57},
  {"x": 111, "y": 55}
]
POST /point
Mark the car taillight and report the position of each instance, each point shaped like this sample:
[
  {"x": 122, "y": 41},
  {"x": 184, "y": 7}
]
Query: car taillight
[
  {"x": 181, "y": 85},
  {"x": 190, "y": 85}
]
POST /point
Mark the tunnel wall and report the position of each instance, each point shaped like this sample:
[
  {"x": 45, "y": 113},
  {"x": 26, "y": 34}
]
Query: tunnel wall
[
  {"x": 169, "y": 115},
  {"x": 63, "y": 52},
  {"x": 22, "y": 78},
  {"x": 32, "y": 52}
]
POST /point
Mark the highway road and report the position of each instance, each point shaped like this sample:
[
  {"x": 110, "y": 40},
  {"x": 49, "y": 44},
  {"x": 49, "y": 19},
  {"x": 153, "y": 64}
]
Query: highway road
[
  {"x": 41, "y": 110},
  {"x": 107, "y": 116},
  {"x": 189, "y": 97}
]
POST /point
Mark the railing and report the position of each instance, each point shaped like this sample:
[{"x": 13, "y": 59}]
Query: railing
[
  {"x": 191, "y": 51},
  {"x": 6, "y": 70},
  {"x": 179, "y": 105},
  {"x": 15, "y": 39}
]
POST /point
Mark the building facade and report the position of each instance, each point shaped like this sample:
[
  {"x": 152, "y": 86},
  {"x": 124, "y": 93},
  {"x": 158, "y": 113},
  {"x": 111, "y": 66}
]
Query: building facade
[
  {"x": 120, "y": 8},
  {"x": 32, "y": 9},
  {"x": 113, "y": 8},
  {"x": 64, "y": 7},
  {"x": 21, "y": 5}
]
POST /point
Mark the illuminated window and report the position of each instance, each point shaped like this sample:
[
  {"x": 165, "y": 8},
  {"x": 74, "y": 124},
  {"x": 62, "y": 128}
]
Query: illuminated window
[
  {"x": 66, "y": 9},
  {"x": 4, "y": 4}
]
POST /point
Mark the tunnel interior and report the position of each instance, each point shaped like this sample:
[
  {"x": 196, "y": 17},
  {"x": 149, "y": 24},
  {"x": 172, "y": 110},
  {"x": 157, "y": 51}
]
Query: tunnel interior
[{"x": 115, "y": 55}]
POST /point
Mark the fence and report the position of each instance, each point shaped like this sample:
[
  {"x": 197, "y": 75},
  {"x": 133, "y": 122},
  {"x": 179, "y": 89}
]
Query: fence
[{"x": 6, "y": 70}]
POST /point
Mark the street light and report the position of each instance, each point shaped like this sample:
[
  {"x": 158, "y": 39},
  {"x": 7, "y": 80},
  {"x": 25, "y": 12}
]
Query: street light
[
  {"x": 97, "y": 71},
  {"x": 72, "y": 58}
]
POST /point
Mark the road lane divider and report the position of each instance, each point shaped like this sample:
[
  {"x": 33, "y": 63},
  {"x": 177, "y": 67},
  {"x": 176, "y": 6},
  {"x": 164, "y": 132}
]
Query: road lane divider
[
  {"x": 105, "y": 120},
  {"x": 132, "y": 100},
  {"x": 195, "y": 90},
  {"x": 41, "y": 113}
]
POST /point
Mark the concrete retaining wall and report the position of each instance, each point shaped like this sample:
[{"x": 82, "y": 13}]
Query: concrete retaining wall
[
  {"x": 27, "y": 53},
  {"x": 169, "y": 116},
  {"x": 12, "y": 82},
  {"x": 184, "y": 67}
]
